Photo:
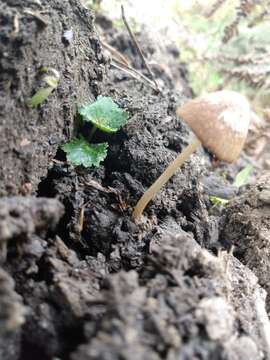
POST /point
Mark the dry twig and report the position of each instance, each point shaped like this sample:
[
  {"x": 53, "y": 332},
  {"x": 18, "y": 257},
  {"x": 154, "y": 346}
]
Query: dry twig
[
  {"x": 37, "y": 16},
  {"x": 133, "y": 73},
  {"x": 114, "y": 53},
  {"x": 215, "y": 7},
  {"x": 138, "y": 48},
  {"x": 120, "y": 62}
]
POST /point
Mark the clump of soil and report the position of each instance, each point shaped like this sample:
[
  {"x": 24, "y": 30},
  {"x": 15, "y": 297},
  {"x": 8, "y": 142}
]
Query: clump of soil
[
  {"x": 80, "y": 279},
  {"x": 247, "y": 229},
  {"x": 177, "y": 307}
]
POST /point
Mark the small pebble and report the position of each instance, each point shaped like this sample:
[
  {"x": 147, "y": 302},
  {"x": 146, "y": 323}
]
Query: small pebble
[
  {"x": 264, "y": 196},
  {"x": 68, "y": 36}
]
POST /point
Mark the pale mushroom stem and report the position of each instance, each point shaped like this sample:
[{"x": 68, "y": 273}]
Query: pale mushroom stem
[{"x": 164, "y": 177}]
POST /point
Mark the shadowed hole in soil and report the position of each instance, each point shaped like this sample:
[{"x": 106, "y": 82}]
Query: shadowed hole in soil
[
  {"x": 46, "y": 188},
  {"x": 72, "y": 337},
  {"x": 29, "y": 351}
]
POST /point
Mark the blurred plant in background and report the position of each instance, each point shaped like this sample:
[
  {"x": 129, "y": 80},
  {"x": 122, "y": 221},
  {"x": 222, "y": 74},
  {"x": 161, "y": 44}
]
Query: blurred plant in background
[{"x": 224, "y": 43}]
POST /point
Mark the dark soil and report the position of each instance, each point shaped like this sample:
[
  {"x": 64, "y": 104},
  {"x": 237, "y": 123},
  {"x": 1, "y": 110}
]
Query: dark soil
[
  {"x": 78, "y": 279},
  {"x": 249, "y": 215}
]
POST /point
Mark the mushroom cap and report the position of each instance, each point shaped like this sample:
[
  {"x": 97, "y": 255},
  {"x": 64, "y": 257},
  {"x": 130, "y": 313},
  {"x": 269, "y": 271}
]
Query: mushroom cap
[{"x": 220, "y": 120}]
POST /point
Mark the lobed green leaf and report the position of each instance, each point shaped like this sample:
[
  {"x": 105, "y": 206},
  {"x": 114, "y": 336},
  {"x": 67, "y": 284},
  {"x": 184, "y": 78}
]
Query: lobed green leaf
[
  {"x": 79, "y": 152},
  {"x": 105, "y": 114}
]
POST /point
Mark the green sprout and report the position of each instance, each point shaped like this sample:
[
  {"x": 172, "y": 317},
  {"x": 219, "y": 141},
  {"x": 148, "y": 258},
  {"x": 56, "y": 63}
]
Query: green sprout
[
  {"x": 215, "y": 200},
  {"x": 105, "y": 115},
  {"x": 80, "y": 152},
  {"x": 242, "y": 177},
  {"x": 42, "y": 94},
  {"x": 240, "y": 180}
]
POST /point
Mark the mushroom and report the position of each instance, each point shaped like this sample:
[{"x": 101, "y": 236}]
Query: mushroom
[{"x": 220, "y": 122}]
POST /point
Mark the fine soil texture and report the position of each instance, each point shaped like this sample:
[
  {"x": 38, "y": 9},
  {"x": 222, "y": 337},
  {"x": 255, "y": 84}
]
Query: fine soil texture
[{"x": 79, "y": 280}]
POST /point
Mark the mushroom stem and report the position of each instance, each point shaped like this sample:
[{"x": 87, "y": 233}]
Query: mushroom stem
[{"x": 164, "y": 177}]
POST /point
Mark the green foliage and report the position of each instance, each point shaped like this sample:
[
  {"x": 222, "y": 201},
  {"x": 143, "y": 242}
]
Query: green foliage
[
  {"x": 80, "y": 152},
  {"x": 242, "y": 177},
  {"x": 39, "y": 97},
  {"x": 215, "y": 200},
  {"x": 42, "y": 94},
  {"x": 240, "y": 180},
  {"x": 93, "y": 5},
  {"x": 224, "y": 44},
  {"x": 104, "y": 114}
]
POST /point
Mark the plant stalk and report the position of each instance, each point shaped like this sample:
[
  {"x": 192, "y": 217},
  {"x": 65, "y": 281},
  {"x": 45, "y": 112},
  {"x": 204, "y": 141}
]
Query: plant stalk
[
  {"x": 164, "y": 177},
  {"x": 93, "y": 130}
]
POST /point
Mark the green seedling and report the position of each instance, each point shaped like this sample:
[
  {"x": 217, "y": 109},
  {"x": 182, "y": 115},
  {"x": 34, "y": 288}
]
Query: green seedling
[
  {"x": 215, "y": 200},
  {"x": 242, "y": 177},
  {"x": 103, "y": 114},
  {"x": 80, "y": 152},
  {"x": 240, "y": 180},
  {"x": 42, "y": 94}
]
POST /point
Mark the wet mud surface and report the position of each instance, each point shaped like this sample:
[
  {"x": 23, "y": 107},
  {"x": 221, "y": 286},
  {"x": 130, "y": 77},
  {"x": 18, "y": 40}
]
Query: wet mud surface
[{"x": 78, "y": 279}]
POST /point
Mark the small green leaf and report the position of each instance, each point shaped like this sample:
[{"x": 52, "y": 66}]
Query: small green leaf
[
  {"x": 79, "y": 152},
  {"x": 242, "y": 177},
  {"x": 104, "y": 114},
  {"x": 40, "y": 96},
  {"x": 43, "y": 69},
  {"x": 218, "y": 201},
  {"x": 52, "y": 81}
]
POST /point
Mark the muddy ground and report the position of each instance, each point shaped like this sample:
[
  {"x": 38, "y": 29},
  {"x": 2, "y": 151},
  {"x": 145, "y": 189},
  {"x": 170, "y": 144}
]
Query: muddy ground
[{"x": 105, "y": 288}]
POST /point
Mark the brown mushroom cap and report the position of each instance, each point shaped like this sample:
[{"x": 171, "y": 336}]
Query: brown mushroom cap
[{"x": 220, "y": 120}]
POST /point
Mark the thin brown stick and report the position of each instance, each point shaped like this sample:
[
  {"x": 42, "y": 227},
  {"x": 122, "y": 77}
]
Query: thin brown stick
[
  {"x": 215, "y": 7},
  {"x": 116, "y": 54},
  {"x": 121, "y": 63},
  {"x": 37, "y": 16},
  {"x": 133, "y": 73},
  {"x": 139, "y": 50}
]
